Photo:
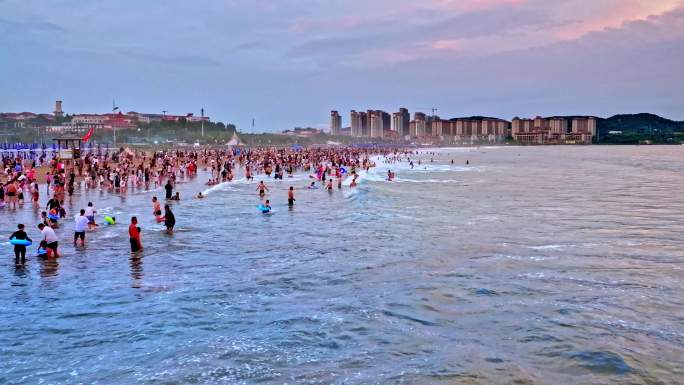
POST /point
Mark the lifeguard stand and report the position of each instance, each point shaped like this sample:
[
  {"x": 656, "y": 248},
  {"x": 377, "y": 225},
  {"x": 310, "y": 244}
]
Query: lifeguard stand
[{"x": 68, "y": 147}]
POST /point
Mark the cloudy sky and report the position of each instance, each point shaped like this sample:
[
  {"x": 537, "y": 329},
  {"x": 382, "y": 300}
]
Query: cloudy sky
[{"x": 287, "y": 63}]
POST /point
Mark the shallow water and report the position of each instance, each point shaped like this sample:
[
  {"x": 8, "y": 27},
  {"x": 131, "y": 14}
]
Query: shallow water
[{"x": 537, "y": 265}]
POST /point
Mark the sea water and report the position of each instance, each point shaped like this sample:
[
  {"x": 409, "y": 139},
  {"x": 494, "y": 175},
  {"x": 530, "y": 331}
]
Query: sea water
[{"x": 530, "y": 265}]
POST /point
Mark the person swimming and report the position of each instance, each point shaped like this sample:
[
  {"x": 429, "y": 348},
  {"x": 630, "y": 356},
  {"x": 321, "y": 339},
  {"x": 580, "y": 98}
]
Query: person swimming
[
  {"x": 200, "y": 195},
  {"x": 312, "y": 186}
]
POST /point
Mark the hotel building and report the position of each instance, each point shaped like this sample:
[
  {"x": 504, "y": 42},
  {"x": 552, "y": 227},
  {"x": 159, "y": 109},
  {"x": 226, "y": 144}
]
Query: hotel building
[{"x": 554, "y": 130}]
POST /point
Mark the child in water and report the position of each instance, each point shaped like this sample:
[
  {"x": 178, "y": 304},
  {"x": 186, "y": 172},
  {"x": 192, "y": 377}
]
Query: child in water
[
  {"x": 158, "y": 216},
  {"x": 43, "y": 251}
]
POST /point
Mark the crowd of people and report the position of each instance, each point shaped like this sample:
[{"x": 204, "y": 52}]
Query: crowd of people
[{"x": 146, "y": 171}]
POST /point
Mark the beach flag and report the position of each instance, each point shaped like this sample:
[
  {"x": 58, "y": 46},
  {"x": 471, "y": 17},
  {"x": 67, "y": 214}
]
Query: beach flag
[{"x": 89, "y": 134}]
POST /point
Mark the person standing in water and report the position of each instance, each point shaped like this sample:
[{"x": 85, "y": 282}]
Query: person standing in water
[
  {"x": 80, "y": 225},
  {"x": 169, "y": 219},
  {"x": 90, "y": 214},
  {"x": 134, "y": 235},
  {"x": 50, "y": 238},
  {"x": 290, "y": 197},
  {"x": 169, "y": 189},
  {"x": 20, "y": 250},
  {"x": 262, "y": 188},
  {"x": 156, "y": 207}
]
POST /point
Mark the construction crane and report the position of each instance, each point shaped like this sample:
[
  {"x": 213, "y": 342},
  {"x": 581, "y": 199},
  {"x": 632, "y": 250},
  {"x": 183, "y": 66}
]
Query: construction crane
[{"x": 431, "y": 109}]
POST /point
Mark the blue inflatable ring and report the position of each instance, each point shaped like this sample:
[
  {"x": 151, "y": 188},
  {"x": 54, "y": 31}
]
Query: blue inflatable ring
[{"x": 20, "y": 242}]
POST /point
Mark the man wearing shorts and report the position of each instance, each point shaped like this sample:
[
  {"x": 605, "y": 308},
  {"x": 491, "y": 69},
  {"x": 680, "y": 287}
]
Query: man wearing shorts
[
  {"x": 80, "y": 226},
  {"x": 50, "y": 238}
]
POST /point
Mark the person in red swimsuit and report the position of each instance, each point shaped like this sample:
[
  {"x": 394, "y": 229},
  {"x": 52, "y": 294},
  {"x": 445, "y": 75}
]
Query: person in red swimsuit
[{"x": 134, "y": 234}]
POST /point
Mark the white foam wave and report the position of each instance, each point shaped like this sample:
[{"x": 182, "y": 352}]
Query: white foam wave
[
  {"x": 548, "y": 247},
  {"x": 403, "y": 180}
]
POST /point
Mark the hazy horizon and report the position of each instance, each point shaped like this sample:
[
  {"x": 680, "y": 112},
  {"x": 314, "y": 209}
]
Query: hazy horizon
[{"x": 289, "y": 63}]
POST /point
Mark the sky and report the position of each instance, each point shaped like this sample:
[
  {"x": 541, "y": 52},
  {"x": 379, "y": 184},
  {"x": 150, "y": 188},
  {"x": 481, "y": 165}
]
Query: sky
[{"x": 287, "y": 63}]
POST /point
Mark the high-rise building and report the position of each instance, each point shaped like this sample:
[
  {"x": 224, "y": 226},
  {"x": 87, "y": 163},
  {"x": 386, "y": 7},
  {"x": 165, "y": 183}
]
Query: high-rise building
[
  {"x": 360, "y": 124},
  {"x": 377, "y": 124},
  {"x": 335, "y": 123},
  {"x": 356, "y": 124},
  {"x": 406, "y": 118},
  {"x": 397, "y": 122},
  {"x": 365, "y": 120},
  {"x": 439, "y": 127},
  {"x": 400, "y": 122},
  {"x": 58, "y": 109},
  {"x": 418, "y": 125}
]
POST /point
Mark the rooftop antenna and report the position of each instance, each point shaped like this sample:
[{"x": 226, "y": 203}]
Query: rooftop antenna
[
  {"x": 114, "y": 108},
  {"x": 202, "y": 118}
]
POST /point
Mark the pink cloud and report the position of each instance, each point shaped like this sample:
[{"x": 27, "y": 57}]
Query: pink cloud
[
  {"x": 616, "y": 16},
  {"x": 446, "y": 44},
  {"x": 475, "y": 5}
]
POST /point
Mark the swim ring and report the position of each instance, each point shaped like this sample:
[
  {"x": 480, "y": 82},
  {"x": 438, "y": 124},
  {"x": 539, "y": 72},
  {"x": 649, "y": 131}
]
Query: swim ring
[
  {"x": 20, "y": 242},
  {"x": 109, "y": 220}
]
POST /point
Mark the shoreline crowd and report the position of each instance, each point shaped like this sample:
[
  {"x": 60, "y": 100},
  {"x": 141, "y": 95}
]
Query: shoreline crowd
[{"x": 148, "y": 171}]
